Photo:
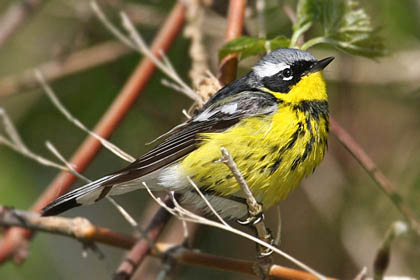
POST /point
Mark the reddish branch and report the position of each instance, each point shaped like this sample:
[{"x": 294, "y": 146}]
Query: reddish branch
[
  {"x": 228, "y": 72},
  {"x": 83, "y": 230},
  {"x": 369, "y": 165},
  {"x": 142, "y": 247},
  {"x": 229, "y": 65},
  {"x": 15, "y": 15},
  {"x": 79, "y": 228},
  {"x": 109, "y": 122}
]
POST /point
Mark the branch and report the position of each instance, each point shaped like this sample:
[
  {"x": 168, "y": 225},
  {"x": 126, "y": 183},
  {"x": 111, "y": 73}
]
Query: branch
[
  {"x": 203, "y": 83},
  {"x": 226, "y": 158},
  {"x": 14, "y": 142},
  {"x": 229, "y": 65},
  {"x": 86, "y": 232},
  {"x": 59, "y": 68},
  {"x": 142, "y": 247},
  {"x": 15, "y": 16},
  {"x": 78, "y": 228},
  {"x": 256, "y": 215},
  {"x": 185, "y": 215},
  {"x": 14, "y": 237},
  {"x": 53, "y": 97},
  {"x": 368, "y": 164},
  {"x": 375, "y": 173},
  {"x": 193, "y": 257}
]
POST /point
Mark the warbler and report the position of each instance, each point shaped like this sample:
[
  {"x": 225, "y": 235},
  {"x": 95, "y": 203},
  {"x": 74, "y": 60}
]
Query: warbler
[{"x": 273, "y": 121}]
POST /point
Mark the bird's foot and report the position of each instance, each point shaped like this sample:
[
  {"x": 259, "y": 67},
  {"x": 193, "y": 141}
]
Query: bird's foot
[{"x": 253, "y": 218}]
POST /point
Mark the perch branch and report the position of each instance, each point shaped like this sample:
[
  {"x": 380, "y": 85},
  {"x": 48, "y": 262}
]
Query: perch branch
[
  {"x": 183, "y": 214},
  {"x": 86, "y": 232},
  {"x": 79, "y": 228}
]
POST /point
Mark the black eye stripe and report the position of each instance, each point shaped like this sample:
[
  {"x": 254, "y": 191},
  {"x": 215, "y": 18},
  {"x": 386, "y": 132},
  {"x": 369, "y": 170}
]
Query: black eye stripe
[{"x": 282, "y": 81}]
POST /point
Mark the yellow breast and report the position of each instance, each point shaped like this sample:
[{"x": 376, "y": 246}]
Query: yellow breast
[{"x": 273, "y": 152}]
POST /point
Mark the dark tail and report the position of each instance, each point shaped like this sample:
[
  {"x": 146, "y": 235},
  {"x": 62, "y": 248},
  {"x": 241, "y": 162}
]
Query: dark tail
[{"x": 85, "y": 195}]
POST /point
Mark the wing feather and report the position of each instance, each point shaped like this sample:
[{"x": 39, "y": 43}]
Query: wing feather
[{"x": 185, "y": 139}]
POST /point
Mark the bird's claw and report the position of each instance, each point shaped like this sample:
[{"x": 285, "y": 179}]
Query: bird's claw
[{"x": 252, "y": 219}]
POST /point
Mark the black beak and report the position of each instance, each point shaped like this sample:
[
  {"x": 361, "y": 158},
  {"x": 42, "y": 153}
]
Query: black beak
[{"x": 320, "y": 64}]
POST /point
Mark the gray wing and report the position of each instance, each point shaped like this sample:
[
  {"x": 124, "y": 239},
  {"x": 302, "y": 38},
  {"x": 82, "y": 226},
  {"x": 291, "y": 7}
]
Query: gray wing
[{"x": 217, "y": 117}]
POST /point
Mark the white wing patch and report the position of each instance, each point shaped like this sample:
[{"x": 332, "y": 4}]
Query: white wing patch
[
  {"x": 268, "y": 69},
  {"x": 229, "y": 108},
  {"x": 208, "y": 113},
  {"x": 205, "y": 115}
]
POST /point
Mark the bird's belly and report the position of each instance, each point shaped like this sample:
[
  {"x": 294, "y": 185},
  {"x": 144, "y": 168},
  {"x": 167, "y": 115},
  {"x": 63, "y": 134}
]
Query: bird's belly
[{"x": 272, "y": 157}]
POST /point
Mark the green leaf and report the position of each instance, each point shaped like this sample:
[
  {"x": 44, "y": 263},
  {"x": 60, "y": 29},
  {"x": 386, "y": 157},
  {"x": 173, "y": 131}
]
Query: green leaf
[
  {"x": 250, "y": 46},
  {"x": 345, "y": 25}
]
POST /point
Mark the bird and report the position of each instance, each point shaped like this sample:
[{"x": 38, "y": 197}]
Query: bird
[{"x": 274, "y": 122}]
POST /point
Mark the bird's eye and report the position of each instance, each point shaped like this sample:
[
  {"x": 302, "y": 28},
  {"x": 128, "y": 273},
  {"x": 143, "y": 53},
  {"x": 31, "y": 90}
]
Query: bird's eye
[{"x": 287, "y": 73}]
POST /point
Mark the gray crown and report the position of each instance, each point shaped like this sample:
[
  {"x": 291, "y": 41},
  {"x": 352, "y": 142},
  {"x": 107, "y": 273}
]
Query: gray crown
[{"x": 288, "y": 56}]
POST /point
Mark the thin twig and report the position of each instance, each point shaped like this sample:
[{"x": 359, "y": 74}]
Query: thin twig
[
  {"x": 375, "y": 173},
  {"x": 52, "y": 96},
  {"x": 255, "y": 210},
  {"x": 16, "y": 143},
  {"x": 207, "y": 202},
  {"x": 67, "y": 164},
  {"x": 184, "y": 214},
  {"x": 172, "y": 85},
  {"x": 199, "y": 59},
  {"x": 164, "y": 67},
  {"x": 71, "y": 169},
  {"x": 255, "y": 207},
  {"x": 58, "y": 68},
  {"x": 120, "y": 209},
  {"x": 15, "y": 15},
  {"x": 14, "y": 237},
  {"x": 142, "y": 247},
  {"x": 123, "y": 212},
  {"x": 107, "y": 23}
]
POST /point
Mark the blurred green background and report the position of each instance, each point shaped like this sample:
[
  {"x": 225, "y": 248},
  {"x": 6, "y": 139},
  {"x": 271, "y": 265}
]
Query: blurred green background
[{"x": 334, "y": 223}]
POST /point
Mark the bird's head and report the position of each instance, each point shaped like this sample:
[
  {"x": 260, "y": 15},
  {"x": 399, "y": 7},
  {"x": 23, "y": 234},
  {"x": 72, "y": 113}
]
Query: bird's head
[{"x": 291, "y": 75}]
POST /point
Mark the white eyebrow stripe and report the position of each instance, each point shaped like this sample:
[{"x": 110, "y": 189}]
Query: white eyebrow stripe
[{"x": 269, "y": 69}]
